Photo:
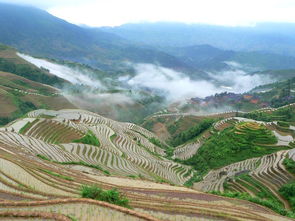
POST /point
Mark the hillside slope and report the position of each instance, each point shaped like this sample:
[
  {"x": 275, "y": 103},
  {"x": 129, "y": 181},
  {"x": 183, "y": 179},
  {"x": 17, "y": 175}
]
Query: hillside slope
[
  {"x": 39, "y": 179},
  {"x": 243, "y": 155},
  {"x": 211, "y": 58},
  {"x": 24, "y": 87},
  {"x": 39, "y": 33}
]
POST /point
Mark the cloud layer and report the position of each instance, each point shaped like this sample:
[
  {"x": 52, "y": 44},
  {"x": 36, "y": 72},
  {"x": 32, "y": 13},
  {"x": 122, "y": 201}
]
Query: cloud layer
[
  {"x": 164, "y": 82},
  {"x": 176, "y": 85},
  {"x": 64, "y": 72}
]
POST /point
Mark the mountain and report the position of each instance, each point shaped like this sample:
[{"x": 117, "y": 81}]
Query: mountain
[
  {"x": 277, "y": 38},
  {"x": 206, "y": 57},
  {"x": 185, "y": 48},
  {"x": 38, "y": 33}
]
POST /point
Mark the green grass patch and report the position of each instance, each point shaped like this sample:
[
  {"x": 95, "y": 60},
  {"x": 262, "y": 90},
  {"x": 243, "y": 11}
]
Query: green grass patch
[
  {"x": 147, "y": 149},
  {"x": 89, "y": 138},
  {"x": 72, "y": 218},
  {"x": 27, "y": 126},
  {"x": 113, "y": 137},
  {"x": 112, "y": 196},
  {"x": 44, "y": 157},
  {"x": 194, "y": 179},
  {"x": 57, "y": 175},
  {"x": 81, "y": 163},
  {"x": 157, "y": 142},
  {"x": 132, "y": 176}
]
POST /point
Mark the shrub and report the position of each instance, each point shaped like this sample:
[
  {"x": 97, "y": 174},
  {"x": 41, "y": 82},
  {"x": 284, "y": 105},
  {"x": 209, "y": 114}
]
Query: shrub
[{"x": 111, "y": 196}]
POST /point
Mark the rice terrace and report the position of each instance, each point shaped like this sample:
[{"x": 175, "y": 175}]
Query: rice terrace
[
  {"x": 147, "y": 110},
  {"x": 45, "y": 161}
]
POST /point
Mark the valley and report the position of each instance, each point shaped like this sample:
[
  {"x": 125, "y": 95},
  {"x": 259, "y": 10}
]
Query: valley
[
  {"x": 182, "y": 155},
  {"x": 154, "y": 121}
]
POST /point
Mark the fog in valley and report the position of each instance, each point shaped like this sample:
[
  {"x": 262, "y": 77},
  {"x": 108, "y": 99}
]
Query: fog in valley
[{"x": 129, "y": 90}]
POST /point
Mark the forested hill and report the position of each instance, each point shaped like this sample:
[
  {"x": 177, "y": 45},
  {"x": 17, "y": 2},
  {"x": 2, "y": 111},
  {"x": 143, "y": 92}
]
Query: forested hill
[
  {"x": 269, "y": 37},
  {"x": 38, "y": 33}
]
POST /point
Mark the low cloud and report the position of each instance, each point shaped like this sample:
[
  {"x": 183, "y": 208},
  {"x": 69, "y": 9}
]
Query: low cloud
[
  {"x": 96, "y": 100},
  {"x": 140, "y": 91},
  {"x": 176, "y": 85},
  {"x": 64, "y": 72},
  {"x": 238, "y": 81}
]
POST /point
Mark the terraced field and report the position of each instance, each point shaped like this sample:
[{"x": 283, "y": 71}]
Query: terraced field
[
  {"x": 34, "y": 189},
  {"x": 124, "y": 148},
  {"x": 260, "y": 177},
  {"x": 42, "y": 171}
]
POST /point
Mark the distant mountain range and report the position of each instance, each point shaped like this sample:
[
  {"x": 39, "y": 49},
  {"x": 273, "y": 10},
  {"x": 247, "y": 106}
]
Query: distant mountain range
[
  {"x": 268, "y": 37},
  {"x": 36, "y": 32},
  {"x": 208, "y": 57},
  {"x": 191, "y": 49}
]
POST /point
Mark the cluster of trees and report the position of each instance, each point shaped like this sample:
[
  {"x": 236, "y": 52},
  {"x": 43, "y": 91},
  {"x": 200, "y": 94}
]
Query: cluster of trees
[
  {"x": 284, "y": 96},
  {"x": 261, "y": 116},
  {"x": 23, "y": 108},
  {"x": 5, "y": 120},
  {"x": 191, "y": 133},
  {"x": 285, "y": 114},
  {"x": 29, "y": 72}
]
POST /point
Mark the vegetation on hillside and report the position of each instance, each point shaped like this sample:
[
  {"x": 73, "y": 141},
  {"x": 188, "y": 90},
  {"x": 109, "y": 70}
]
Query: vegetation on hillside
[
  {"x": 264, "y": 202},
  {"x": 290, "y": 165},
  {"x": 23, "y": 107},
  {"x": 288, "y": 191},
  {"x": 256, "y": 187},
  {"x": 29, "y": 72},
  {"x": 89, "y": 138},
  {"x": 286, "y": 114},
  {"x": 244, "y": 141},
  {"x": 111, "y": 196},
  {"x": 191, "y": 133},
  {"x": 58, "y": 175}
]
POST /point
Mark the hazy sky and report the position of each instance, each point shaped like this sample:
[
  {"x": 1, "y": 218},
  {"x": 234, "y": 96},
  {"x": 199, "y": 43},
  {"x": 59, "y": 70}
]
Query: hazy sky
[{"x": 117, "y": 12}]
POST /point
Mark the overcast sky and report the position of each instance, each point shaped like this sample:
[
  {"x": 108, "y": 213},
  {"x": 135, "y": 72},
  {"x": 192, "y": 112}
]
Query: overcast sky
[{"x": 117, "y": 12}]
